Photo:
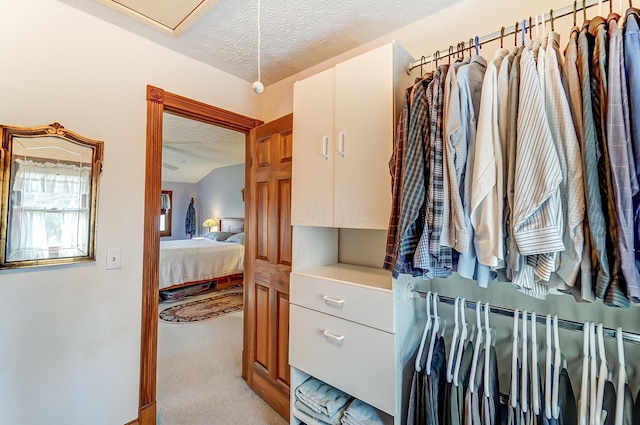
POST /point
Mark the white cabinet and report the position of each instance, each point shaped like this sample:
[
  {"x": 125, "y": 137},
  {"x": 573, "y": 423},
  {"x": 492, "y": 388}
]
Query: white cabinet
[
  {"x": 343, "y": 127},
  {"x": 352, "y": 327}
]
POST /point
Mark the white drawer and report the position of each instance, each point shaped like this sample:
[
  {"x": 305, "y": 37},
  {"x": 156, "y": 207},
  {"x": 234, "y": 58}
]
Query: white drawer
[
  {"x": 363, "y": 298},
  {"x": 356, "y": 359}
]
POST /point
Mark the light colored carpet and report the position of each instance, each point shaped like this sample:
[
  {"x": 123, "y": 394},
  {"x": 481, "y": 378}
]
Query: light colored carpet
[{"x": 199, "y": 382}]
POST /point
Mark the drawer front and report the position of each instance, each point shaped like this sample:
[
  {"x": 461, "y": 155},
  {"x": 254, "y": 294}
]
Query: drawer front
[
  {"x": 356, "y": 359},
  {"x": 369, "y": 306}
]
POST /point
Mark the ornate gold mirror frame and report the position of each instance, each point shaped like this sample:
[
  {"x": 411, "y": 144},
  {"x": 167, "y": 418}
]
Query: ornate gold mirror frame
[{"x": 49, "y": 196}]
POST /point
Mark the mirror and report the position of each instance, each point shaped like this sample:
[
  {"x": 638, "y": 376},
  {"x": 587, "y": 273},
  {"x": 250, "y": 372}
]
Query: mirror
[{"x": 49, "y": 196}]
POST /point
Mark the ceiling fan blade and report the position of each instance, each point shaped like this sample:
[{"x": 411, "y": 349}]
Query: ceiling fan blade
[{"x": 169, "y": 166}]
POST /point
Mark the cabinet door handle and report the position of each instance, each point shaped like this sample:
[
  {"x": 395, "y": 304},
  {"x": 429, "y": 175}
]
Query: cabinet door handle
[
  {"x": 329, "y": 335},
  {"x": 341, "y": 137},
  {"x": 325, "y": 147},
  {"x": 333, "y": 300}
]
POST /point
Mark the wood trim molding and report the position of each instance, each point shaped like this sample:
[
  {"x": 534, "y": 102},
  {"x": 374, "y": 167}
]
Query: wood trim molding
[
  {"x": 133, "y": 422},
  {"x": 159, "y": 101}
]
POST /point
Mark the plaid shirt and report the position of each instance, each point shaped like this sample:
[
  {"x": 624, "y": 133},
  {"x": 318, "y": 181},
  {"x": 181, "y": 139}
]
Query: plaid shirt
[
  {"x": 396, "y": 164},
  {"x": 434, "y": 259},
  {"x": 411, "y": 222}
]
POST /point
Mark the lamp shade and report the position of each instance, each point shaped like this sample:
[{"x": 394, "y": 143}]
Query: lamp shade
[{"x": 210, "y": 223}]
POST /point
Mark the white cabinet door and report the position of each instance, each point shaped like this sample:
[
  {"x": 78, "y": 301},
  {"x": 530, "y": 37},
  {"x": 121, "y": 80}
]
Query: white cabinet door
[
  {"x": 313, "y": 151},
  {"x": 364, "y": 121}
]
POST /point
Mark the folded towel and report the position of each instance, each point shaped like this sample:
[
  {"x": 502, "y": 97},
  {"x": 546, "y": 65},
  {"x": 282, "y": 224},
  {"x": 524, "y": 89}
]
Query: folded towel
[
  {"x": 333, "y": 420},
  {"x": 360, "y": 413},
  {"x": 321, "y": 397}
]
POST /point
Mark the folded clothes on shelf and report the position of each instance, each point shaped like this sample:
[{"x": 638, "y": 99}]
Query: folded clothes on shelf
[
  {"x": 360, "y": 413},
  {"x": 333, "y": 420},
  {"x": 321, "y": 397}
]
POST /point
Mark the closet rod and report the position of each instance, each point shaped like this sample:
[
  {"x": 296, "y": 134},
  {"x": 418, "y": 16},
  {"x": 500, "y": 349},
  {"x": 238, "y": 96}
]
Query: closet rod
[
  {"x": 559, "y": 13},
  {"x": 562, "y": 323}
]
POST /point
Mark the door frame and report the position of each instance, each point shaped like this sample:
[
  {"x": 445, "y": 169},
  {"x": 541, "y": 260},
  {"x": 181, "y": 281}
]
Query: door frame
[{"x": 158, "y": 102}]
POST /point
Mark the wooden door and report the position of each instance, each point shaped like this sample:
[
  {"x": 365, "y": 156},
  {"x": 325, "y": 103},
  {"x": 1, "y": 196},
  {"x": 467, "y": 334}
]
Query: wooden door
[
  {"x": 268, "y": 257},
  {"x": 364, "y": 93},
  {"x": 314, "y": 150}
]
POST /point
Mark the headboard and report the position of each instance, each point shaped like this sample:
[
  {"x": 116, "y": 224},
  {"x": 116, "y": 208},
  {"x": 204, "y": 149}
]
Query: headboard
[{"x": 231, "y": 224}]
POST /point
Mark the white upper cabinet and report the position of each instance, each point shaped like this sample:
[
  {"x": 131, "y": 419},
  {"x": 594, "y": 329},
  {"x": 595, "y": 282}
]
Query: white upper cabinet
[{"x": 343, "y": 127}]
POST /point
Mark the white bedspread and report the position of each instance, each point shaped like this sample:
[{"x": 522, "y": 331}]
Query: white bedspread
[{"x": 193, "y": 260}]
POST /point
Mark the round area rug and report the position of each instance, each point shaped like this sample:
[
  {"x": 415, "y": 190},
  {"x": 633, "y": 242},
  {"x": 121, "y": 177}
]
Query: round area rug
[{"x": 207, "y": 308}]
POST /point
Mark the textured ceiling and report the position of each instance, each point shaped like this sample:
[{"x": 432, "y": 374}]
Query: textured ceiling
[
  {"x": 296, "y": 34},
  {"x": 192, "y": 149}
]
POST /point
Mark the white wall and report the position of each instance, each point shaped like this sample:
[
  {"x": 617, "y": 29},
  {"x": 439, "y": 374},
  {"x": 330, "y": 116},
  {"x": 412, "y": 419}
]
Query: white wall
[
  {"x": 180, "y": 197},
  {"x": 70, "y": 335},
  {"x": 219, "y": 192}
]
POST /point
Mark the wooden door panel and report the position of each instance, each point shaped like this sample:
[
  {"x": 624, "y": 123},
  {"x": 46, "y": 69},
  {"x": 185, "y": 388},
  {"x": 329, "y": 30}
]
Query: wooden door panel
[
  {"x": 269, "y": 250},
  {"x": 284, "y": 225},
  {"x": 262, "y": 222},
  {"x": 282, "y": 354},
  {"x": 262, "y": 325}
]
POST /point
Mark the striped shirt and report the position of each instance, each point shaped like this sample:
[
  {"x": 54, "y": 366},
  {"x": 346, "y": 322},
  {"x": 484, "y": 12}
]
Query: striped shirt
[
  {"x": 537, "y": 212},
  {"x": 572, "y": 185}
]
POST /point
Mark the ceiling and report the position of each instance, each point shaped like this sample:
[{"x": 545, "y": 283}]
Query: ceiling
[
  {"x": 295, "y": 34},
  {"x": 192, "y": 149}
]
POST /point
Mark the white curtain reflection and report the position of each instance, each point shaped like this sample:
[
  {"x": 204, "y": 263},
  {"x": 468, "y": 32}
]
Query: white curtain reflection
[{"x": 49, "y": 211}]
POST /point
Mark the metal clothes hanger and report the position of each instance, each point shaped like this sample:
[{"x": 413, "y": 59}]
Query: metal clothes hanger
[
  {"x": 534, "y": 362},
  {"x": 463, "y": 340},
  {"x": 515, "y": 34},
  {"x": 514, "y": 360},
  {"x": 476, "y": 349},
  {"x": 501, "y": 37},
  {"x": 622, "y": 380},
  {"x": 450, "y": 53},
  {"x": 425, "y": 332},
  {"x": 584, "y": 385},
  {"x": 551, "y": 20},
  {"x": 454, "y": 339},
  {"x": 487, "y": 351},
  {"x": 434, "y": 332},
  {"x": 524, "y": 393}
]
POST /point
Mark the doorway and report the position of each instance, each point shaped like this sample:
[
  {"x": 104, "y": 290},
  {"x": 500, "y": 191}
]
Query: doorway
[{"x": 158, "y": 102}]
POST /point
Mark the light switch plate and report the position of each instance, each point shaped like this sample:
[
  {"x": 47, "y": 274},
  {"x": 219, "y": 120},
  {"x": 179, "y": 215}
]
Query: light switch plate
[{"x": 114, "y": 258}]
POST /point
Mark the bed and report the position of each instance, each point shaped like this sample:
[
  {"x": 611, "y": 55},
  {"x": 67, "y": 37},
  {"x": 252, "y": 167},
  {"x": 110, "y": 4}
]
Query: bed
[{"x": 203, "y": 260}]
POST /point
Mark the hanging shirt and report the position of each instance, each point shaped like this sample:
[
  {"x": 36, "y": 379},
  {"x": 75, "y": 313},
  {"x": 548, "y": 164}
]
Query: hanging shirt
[
  {"x": 537, "y": 207},
  {"x": 615, "y": 292},
  {"x": 583, "y": 290},
  {"x": 433, "y": 259},
  {"x": 411, "y": 221},
  {"x": 632, "y": 67},
  {"x": 488, "y": 172},
  {"x": 623, "y": 177},
  {"x": 572, "y": 185},
  {"x": 396, "y": 166},
  {"x": 454, "y": 232},
  {"x": 595, "y": 214},
  {"x": 470, "y": 78}
]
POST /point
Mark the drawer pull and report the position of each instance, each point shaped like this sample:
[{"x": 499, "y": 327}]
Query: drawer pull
[
  {"x": 333, "y": 300},
  {"x": 332, "y": 336}
]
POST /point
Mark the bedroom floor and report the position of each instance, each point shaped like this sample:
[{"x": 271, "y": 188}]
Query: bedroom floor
[{"x": 199, "y": 367}]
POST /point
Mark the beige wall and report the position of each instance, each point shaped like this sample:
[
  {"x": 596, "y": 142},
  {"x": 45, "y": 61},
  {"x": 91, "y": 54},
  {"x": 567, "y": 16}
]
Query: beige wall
[{"x": 70, "y": 335}]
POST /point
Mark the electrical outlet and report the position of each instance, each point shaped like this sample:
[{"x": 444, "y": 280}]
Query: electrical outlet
[{"x": 114, "y": 258}]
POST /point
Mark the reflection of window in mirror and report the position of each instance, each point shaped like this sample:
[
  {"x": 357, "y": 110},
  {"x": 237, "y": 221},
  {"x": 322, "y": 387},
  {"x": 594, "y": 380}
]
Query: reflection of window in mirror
[{"x": 165, "y": 213}]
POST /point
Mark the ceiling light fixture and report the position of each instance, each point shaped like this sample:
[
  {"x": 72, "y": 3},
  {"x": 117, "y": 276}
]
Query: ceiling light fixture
[{"x": 258, "y": 87}]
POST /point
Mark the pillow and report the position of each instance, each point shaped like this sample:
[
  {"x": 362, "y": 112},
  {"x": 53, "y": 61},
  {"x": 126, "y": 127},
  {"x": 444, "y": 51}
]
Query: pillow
[
  {"x": 237, "y": 238},
  {"x": 218, "y": 236}
]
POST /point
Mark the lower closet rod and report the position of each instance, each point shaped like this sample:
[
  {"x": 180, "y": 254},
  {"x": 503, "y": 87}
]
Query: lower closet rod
[{"x": 562, "y": 323}]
